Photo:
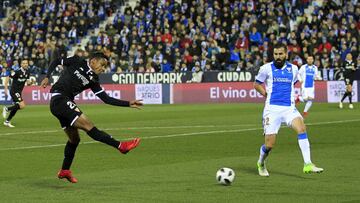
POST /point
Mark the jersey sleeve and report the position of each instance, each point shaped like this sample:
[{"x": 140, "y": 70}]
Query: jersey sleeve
[
  {"x": 96, "y": 88},
  {"x": 317, "y": 74},
  {"x": 14, "y": 74},
  {"x": 28, "y": 74},
  {"x": 262, "y": 75},
  {"x": 61, "y": 61},
  {"x": 99, "y": 92},
  {"x": 69, "y": 60},
  {"x": 301, "y": 73},
  {"x": 295, "y": 72}
]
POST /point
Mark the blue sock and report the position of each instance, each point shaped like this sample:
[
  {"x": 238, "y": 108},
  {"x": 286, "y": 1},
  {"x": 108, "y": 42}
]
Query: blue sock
[{"x": 264, "y": 152}]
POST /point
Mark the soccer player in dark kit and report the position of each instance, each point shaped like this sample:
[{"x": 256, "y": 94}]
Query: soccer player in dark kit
[
  {"x": 77, "y": 76},
  {"x": 19, "y": 77},
  {"x": 349, "y": 69}
]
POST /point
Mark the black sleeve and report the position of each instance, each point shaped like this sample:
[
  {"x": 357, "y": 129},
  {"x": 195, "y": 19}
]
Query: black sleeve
[
  {"x": 60, "y": 61},
  {"x": 99, "y": 92},
  {"x": 14, "y": 74},
  {"x": 112, "y": 101},
  {"x": 28, "y": 74}
]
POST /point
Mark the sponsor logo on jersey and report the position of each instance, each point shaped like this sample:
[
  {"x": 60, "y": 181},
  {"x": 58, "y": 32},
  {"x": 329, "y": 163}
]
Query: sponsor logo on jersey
[{"x": 82, "y": 78}]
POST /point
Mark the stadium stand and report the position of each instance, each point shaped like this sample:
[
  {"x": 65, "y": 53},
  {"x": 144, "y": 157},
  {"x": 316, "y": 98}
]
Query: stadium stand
[
  {"x": 46, "y": 29},
  {"x": 170, "y": 36}
]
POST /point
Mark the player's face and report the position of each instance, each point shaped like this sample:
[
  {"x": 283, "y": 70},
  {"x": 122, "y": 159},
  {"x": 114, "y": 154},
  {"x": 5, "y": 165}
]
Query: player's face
[
  {"x": 25, "y": 64},
  {"x": 349, "y": 57},
  {"x": 98, "y": 65},
  {"x": 310, "y": 60},
  {"x": 279, "y": 57}
]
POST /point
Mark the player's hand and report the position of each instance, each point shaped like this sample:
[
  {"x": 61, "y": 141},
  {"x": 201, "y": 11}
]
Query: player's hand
[
  {"x": 44, "y": 82},
  {"x": 136, "y": 104}
]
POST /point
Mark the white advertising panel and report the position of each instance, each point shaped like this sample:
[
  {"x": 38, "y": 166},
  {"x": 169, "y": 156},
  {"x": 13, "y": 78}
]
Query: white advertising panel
[
  {"x": 149, "y": 93},
  {"x": 336, "y": 89}
]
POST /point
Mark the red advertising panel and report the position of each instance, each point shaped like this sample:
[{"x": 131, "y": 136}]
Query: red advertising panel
[
  {"x": 321, "y": 91},
  {"x": 228, "y": 92},
  {"x": 39, "y": 95}
]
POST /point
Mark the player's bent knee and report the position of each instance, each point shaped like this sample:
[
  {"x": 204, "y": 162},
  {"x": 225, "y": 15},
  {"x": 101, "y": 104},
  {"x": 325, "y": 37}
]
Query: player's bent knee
[
  {"x": 269, "y": 146},
  {"x": 74, "y": 140},
  {"x": 22, "y": 105},
  {"x": 301, "y": 129}
]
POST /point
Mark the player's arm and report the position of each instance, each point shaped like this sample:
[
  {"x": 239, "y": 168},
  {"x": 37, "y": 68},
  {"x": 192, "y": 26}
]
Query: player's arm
[
  {"x": 260, "y": 88},
  {"x": 6, "y": 85},
  {"x": 259, "y": 80},
  {"x": 13, "y": 75},
  {"x": 300, "y": 75},
  {"x": 30, "y": 81},
  {"x": 317, "y": 74},
  {"x": 54, "y": 64},
  {"x": 99, "y": 92}
]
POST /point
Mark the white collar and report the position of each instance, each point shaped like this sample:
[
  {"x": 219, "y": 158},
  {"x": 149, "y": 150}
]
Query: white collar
[{"x": 90, "y": 69}]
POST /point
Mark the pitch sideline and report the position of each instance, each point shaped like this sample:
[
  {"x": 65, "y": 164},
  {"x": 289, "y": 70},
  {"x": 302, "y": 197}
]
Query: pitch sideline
[{"x": 175, "y": 135}]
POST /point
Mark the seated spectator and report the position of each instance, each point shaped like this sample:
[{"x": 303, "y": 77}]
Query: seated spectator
[
  {"x": 196, "y": 75},
  {"x": 166, "y": 66},
  {"x": 255, "y": 37}
]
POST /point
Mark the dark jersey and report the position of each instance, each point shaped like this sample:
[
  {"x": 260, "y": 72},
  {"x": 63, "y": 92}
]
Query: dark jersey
[
  {"x": 349, "y": 69},
  {"x": 19, "y": 78},
  {"x": 76, "y": 77}
]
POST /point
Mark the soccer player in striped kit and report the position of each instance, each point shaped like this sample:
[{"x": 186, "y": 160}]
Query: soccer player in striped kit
[
  {"x": 280, "y": 77},
  {"x": 308, "y": 73}
]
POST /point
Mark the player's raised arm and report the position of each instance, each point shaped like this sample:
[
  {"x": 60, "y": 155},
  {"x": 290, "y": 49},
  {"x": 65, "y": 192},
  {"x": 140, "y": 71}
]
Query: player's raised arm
[{"x": 53, "y": 65}]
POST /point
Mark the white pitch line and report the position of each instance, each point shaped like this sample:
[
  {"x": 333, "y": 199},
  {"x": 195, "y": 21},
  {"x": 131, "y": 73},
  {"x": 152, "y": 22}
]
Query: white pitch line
[
  {"x": 179, "y": 135},
  {"x": 132, "y": 128}
]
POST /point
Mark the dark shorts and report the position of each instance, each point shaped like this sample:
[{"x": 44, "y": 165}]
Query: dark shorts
[
  {"x": 348, "y": 80},
  {"x": 65, "y": 110},
  {"x": 16, "y": 97}
]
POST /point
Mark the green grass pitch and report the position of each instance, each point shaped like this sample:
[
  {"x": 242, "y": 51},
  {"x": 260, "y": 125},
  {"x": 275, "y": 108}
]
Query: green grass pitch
[{"x": 182, "y": 148}]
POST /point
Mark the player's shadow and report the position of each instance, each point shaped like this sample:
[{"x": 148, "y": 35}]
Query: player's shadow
[
  {"x": 52, "y": 185},
  {"x": 253, "y": 171}
]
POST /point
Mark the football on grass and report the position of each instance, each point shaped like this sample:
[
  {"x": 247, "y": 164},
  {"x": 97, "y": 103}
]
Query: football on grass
[{"x": 225, "y": 176}]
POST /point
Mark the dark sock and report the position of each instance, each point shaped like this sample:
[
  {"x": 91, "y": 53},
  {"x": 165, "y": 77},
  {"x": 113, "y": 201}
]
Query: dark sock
[
  {"x": 345, "y": 95},
  {"x": 69, "y": 153},
  {"x": 14, "y": 107},
  {"x": 103, "y": 137},
  {"x": 350, "y": 97},
  {"x": 11, "y": 115}
]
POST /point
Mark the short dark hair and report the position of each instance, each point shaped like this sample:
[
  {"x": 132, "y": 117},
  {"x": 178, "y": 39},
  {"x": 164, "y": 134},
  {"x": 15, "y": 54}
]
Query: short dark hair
[
  {"x": 280, "y": 45},
  {"x": 310, "y": 55},
  {"x": 99, "y": 55}
]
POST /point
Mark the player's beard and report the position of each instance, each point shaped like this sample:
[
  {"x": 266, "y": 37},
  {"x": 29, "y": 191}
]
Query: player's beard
[{"x": 279, "y": 63}]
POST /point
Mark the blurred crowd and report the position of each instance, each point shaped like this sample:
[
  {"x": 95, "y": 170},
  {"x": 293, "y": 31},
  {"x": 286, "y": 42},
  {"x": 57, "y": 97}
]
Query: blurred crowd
[
  {"x": 191, "y": 35},
  {"x": 47, "y": 30}
]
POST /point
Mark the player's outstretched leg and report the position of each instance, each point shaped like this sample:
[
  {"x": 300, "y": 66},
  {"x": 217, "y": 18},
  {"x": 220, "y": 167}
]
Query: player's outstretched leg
[
  {"x": 124, "y": 146},
  {"x": 304, "y": 145}
]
